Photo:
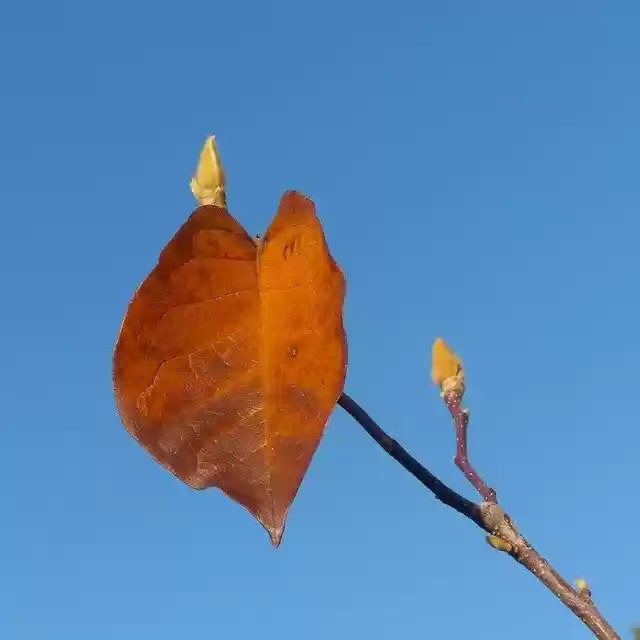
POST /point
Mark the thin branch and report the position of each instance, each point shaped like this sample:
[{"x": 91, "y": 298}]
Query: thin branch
[
  {"x": 453, "y": 402},
  {"x": 492, "y": 519},
  {"x": 523, "y": 553},
  {"x": 440, "y": 490}
]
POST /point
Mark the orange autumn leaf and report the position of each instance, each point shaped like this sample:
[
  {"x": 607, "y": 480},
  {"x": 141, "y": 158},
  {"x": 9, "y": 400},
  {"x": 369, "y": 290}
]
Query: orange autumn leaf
[
  {"x": 232, "y": 355},
  {"x": 445, "y": 364}
]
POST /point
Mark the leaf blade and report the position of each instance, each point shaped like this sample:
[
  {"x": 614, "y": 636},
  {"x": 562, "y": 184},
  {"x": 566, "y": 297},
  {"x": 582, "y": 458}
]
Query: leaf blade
[{"x": 230, "y": 359}]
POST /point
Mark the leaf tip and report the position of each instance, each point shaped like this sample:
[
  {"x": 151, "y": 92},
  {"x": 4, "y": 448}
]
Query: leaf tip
[{"x": 275, "y": 535}]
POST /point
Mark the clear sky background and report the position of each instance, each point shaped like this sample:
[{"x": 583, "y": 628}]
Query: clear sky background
[{"x": 475, "y": 165}]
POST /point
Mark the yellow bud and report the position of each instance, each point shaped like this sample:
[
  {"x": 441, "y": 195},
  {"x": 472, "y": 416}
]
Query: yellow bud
[
  {"x": 445, "y": 365},
  {"x": 208, "y": 185},
  {"x": 581, "y": 585},
  {"x": 499, "y": 544}
]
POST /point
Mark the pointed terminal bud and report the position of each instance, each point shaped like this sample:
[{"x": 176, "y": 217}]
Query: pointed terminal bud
[
  {"x": 446, "y": 368},
  {"x": 208, "y": 185}
]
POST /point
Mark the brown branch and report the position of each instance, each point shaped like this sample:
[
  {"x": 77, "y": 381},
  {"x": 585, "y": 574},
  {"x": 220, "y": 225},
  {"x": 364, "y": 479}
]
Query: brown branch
[
  {"x": 453, "y": 401},
  {"x": 522, "y": 552},
  {"x": 492, "y": 519}
]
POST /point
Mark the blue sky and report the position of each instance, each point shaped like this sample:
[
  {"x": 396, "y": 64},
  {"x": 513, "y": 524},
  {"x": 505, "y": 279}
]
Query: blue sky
[{"x": 475, "y": 166}]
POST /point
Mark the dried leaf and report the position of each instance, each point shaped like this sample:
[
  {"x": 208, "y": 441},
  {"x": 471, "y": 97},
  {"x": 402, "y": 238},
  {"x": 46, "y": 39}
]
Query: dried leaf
[
  {"x": 445, "y": 363},
  {"x": 232, "y": 356}
]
